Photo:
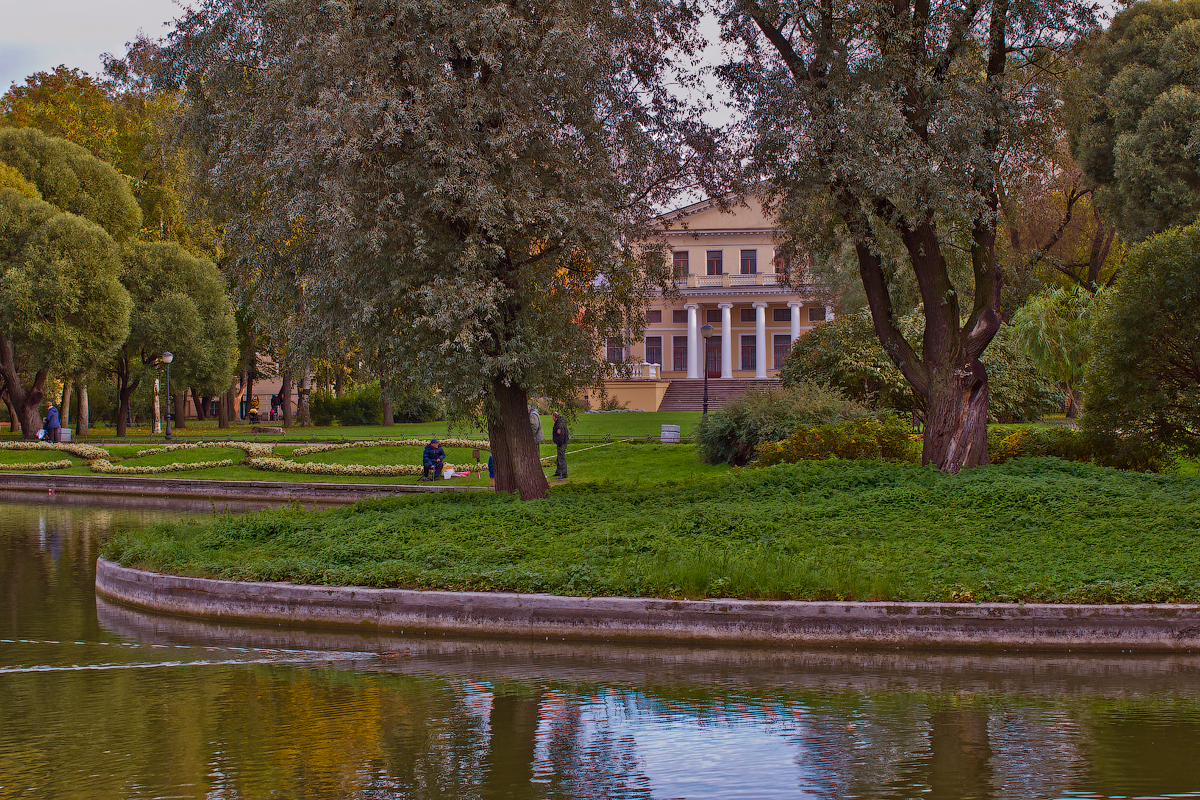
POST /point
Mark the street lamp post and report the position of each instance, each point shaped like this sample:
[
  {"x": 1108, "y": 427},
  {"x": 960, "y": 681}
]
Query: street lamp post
[
  {"x": 706, "y": 331},
  {"x": 167, "y": 358}
]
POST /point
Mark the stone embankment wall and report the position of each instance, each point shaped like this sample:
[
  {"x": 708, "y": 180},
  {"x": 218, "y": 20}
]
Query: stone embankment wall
[{"x": 1167, "y": 627}]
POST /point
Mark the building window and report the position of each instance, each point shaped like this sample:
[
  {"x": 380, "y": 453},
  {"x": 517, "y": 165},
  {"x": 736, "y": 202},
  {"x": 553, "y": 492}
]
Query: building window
[
  {"x": 679, "y": 353},
  {"x": 714, "y": 263},
  {"x": 747, "y": 314},
  {"x": 781, "y": 263},
  {"x": 816, "y": 314},
  {"x": 680, "y": 260},
  {"x": 679, "y": 317},
  {"x": 616, "y": 353},
  {"x": 654, "y": 350},
  {"x": 712, "y": 355},
  {"x": 749, "y": 262},
  {"x": 653, "y": 316},
  {"x": 783, "y": 315},
  {"x": 783, "y": 344},
  {"x": 749, "y": 353},
  {"x": 712, "y": 315}
]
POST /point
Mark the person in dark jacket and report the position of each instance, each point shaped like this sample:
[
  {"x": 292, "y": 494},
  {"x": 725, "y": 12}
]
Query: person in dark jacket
[
  {"x": 433, "y": 458},
  {"x": 560, "y": 436},
  {"x": 52, "y": 425}
]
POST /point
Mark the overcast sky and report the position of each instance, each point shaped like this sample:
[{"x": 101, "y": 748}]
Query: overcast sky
[{"x": 38, "y": 35}]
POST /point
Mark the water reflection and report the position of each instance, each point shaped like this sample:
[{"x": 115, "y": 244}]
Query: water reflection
[{"x": 102, "y": 701}]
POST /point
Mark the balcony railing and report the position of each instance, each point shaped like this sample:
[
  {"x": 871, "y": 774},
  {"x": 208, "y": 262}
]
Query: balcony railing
[
  {"x": 635, "y": 372},
  {"x": 717, "y": 281}
]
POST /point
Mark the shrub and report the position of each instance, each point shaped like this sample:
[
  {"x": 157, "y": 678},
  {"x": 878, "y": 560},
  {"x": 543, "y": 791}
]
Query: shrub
[
  {"x": 1132, "y": 452},
  {"x": 1143, "y": 382},
  {"x": 360, "y": 405},
  {"x": 886, "y": 436},
  {"x": 730, "y": 434},
  {"x": 847, "y": 354}
]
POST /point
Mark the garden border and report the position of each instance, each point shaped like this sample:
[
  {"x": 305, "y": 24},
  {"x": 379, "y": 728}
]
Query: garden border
[
  {"x": 1142, "y": 627},
  {"x": 218, "y": 490}
]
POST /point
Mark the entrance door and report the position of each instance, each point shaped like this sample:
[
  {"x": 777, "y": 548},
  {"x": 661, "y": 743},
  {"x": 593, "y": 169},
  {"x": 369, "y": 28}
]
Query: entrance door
[{"x": 712, "y": 356}]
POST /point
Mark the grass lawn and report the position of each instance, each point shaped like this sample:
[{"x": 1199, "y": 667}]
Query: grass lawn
[
  {"x": 616, "y": 424},
  {"x": 1031, "y": 530}
]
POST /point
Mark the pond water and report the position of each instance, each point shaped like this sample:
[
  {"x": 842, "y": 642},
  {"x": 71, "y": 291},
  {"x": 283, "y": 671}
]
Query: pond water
[{"x": 101, "y": 701}]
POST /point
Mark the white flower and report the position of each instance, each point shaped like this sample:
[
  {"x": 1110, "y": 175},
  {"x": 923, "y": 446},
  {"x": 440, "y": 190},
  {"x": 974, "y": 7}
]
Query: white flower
[
  {"x": 36, "y": 465},
  {"x": 105, "y": 466}
]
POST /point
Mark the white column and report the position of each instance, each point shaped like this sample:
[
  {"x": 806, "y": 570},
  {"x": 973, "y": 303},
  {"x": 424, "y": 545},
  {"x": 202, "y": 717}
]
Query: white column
[
  {"x": 794, "y": 305},
  {"x": 760, "y": 340},
  {"x": 829, "y": 313},
  {"x": 726, "y": 339},
  {"x": 693, "y": 346}
]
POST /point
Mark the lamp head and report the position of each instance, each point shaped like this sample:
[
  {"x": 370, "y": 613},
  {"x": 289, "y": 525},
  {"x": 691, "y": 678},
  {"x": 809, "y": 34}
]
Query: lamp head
[
  {"x": 706, "y": 330},
  {"x": 167, "y": 358}
]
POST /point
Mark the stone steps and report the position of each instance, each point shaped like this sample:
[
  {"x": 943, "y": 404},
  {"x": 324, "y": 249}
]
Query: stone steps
[{"x": 688, "y": 395}]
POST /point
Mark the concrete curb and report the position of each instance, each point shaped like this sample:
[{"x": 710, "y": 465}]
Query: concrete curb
[
  {"x": 1166, "y": 627},
  {"x": 216, "y": 490}
]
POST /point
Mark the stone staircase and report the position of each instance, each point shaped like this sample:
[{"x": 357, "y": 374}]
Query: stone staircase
[{"x": 688, "y": 395}]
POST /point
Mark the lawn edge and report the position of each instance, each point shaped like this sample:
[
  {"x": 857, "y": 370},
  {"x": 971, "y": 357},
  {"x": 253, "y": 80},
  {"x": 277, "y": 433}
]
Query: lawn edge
[{"x": 1135, "y": 627}]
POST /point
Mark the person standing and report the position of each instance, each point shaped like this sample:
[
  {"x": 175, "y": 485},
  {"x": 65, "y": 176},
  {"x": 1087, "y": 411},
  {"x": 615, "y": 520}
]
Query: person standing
[
  {"x": 52, "y": 424},
  {"x": 535, "y": 422},
  {"x": 560, "y": 436}
]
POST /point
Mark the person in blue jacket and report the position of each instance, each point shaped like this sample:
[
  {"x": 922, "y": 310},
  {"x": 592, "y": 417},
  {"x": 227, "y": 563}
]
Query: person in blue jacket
[
  {"x": 52, "y": 425},
  {"x": 433, "y": 458}
]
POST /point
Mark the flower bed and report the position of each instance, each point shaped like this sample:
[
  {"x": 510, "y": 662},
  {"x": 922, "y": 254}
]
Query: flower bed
[
  {"x": 363, "y": 470},
  {"x": 249, "y": 448},
  {"x": 87, "y": 452},
  {"x": 311, "y": 449},
  {"x": 106, "y": 467},
  {"x": 33, "y": 466}
]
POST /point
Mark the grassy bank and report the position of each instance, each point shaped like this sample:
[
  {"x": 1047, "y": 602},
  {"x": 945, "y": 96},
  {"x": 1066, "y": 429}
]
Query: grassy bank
[{"x": 1029, "y": 530}]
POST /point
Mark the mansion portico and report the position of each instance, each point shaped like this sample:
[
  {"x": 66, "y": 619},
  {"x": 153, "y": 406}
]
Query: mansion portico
[{"x": 727, "y": 279}]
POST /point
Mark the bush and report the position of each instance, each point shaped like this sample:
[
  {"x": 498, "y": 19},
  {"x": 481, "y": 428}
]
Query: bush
[
  {"x": 730, "y": 434},
  {"x": 847, "y": 354},
  {"x": 360, "y": 405},
  {"x": 886, "y": 436},
  {"x": 1143, "y": 383},
  {"x": 1131, "y": 452}
]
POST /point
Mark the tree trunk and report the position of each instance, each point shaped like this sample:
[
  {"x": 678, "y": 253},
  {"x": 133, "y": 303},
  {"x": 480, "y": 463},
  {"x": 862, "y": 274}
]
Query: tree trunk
[
  {"x": 387, "y": 402},
  {"x": 956, "y": 424},
  {"x": 225, "y": 409},
  {"x": 180, "y": 400},
  {"x": 124, "y": 393},
  {"x": 515, "y": 454},
  {"x": 82, "y": 422},
  {"x": 285, "y": 396},
  {"x": 156, "y": 411},
  {"x": 1073, "y": 404},
  {"x": 201, "y": 405},
  {"x": 24, "y": 400},
  {"x": 302, "y": 401},
  {"x": 12, "y": 414},
  {"x": 337, "y": 382},
  {"x": 64, "y": 407}
]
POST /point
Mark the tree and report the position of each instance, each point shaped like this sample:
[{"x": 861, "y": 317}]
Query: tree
[
  {"x": 887, "y": 121},
  {"x": 1136, "y": 116},
  {"x": 1145, "y": 374},
  {"x": 1054, "y": 330},
  {"x": 62, "y": 306},
  {"x": 179, "y": 304},
  {"x": 462, "y": 181}
]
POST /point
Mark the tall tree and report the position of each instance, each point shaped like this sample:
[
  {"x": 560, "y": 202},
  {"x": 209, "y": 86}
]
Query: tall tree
[
  {"x": 462, "y": 180},
  {"x": 887, "y": 120},
  {"x": 1135, "y": 115},
  {"x": 179, "y": 305},
  {"x": 62, "y": 306}
]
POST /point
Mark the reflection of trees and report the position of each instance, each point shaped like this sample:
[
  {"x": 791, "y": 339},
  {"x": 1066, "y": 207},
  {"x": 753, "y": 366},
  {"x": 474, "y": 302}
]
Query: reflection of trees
[
  {"x": 586, "y": 758},
  {"x": 1145, "y": 746},
  {"x": 508, "y": 767}
]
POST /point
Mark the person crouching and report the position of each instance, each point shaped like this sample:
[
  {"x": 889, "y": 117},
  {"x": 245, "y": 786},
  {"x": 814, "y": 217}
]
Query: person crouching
[{"x": 432, "y": 459}]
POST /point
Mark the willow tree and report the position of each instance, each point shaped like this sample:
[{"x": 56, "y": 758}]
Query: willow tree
[
  {"x": 459, "y": 184},
  {"x": 886, "y": 121}
]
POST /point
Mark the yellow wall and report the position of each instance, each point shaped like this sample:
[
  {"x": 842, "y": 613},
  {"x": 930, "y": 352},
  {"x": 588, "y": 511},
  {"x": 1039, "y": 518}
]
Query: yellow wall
[{"x": 644, "y": 395}]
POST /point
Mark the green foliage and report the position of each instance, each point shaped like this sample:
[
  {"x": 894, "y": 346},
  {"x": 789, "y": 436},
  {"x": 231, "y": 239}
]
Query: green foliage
[
  {"x": 886, "y": 436},
  {"x": 1031, "y": 529},
  {"x": 846, "y": 354},
  {"x": 1144, "y": 379},
  {"x": 358, "y": 405},
  {"x": 72, "y": 179},
  {"x": 1136, "y": 113},
  {"x": 1054, "y": 330},
  {"x": 730, "y": 434}
]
